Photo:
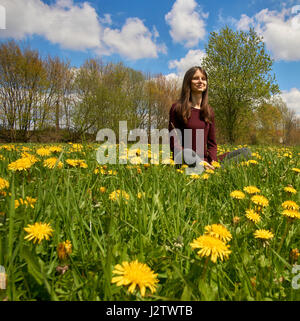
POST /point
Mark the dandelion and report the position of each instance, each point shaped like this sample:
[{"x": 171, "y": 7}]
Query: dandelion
[
  {"x": 55, "y": 149},
  {"x": 251, "y": 189},
  {"x": 252, "y": 161},
  {"x": 77, "y": 163},
  {"x": 140, "y": 195},
  {"x": 20, "y": 164},
  {"x": 3, "y": 183},
  {"x": 290, "y": 189},
  {"x": 294, "y": 254},
  {"x": 237, "y": 195},
  {"x": 215, "y": 164},
  {"x": 236, "y": 220},
  {"x": 29, "y": 201},
  {"x": 252, "y": 216},
  {"x": 263, "y": 234},
  {"x": 102, "y": 189},
  {"x": 291, "y": 213},
  {"x": 297, "y": 170},
  {"x": 260, "y": 200},
  {"x": 43, "y": 151},
  {"x": 211, "y": 246},
  {"x": 52, "y": 162},
  {"x": 218, "y": 231},
  {"x": 76, "y": 147},
  {"x": 116, "y": 195},
  {"x": 290, "y": 205},
  {"x": 64, "y": 249},
  {"x": 38, "y": 232},
  {"x": 205, "y": 176},
  {"x": 133, "y": 274}
]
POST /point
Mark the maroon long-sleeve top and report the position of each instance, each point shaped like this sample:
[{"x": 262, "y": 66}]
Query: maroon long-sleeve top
[{"x": 196, "y": 121}]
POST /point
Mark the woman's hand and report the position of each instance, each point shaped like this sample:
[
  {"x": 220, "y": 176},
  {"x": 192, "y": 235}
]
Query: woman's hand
[{"x": 207, "y": 165}]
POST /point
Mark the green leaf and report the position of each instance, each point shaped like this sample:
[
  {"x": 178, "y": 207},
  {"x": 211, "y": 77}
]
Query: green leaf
[
  {"x": 207, "y": 291},
  {"x": 33, "y": 265},
  {"x": 186, "y": 294}
]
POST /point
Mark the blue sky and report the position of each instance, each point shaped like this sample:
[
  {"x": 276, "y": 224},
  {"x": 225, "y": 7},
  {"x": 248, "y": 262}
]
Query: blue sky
[{"x": 157, "y": 36}]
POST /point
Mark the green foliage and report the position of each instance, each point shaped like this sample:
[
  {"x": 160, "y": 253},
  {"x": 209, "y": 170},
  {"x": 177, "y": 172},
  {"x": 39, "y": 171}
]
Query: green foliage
[{"x": 239, "y": 76}]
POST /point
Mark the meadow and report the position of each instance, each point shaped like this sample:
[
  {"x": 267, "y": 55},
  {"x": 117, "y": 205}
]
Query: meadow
[{"x": 73, "y": 229}]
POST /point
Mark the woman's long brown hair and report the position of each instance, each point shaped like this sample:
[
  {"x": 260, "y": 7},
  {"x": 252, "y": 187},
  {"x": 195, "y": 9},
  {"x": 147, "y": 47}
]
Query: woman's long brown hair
[{"x": 184, "y": 103}]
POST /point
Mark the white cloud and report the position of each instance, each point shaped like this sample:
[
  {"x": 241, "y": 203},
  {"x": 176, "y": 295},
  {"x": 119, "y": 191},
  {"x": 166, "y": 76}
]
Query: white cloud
[
  {"x": 192, "y": 58},
  {"x": 292, "y": 99},
  {"x": 69, "y": 25},
  {"x": 244, "y": 23},
  {"x": 173, "y": 77},
  {"x": 133, "y": 41},
  {"x": 186, "y": 22},
  {"x": 78, "y": 27},
  {"x": 280, "y": 31}
]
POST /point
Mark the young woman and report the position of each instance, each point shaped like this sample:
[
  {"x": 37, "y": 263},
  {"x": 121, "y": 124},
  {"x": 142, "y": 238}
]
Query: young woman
[{"x": 190, "y": 114}]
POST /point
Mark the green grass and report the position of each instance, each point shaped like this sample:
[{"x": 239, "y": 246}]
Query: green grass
[{"x": 156, "y": 229}]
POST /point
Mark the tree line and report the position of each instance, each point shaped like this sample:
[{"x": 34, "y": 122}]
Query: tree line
[{"x": 40, "y": 96}]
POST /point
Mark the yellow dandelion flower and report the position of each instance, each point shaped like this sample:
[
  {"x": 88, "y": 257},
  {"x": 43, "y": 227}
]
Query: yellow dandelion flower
[
  {"x": 218, "y": 231},
  {"x": 140, "y": 195},
  {"x": 263, "y": 234},
  {"x": 252, "y": 216},
  {"x": 260, "y": 200},
  {"x": 133, "y": 274},
  {"x": 118, "y": 194},
  {"x": 290, "y": 205},
  {"x": 215, "y": 164},
  {"x": 52, "y": 162},
  {"x": 3, "y": 183},
  {"x": 30, "y": 201},
  {"x": 297, "y": 170},
  {"x": 290, "y": 189},
  {"x": 43, "y": 151},
  {"x": 205, "y": 176},
  {"x": 252, "y": 161},
  {"x": 20, "y": 164},
  {"x": 236, "y": 220},
  {"x": 237, "y": 195},
  {"x": 38, "y": 232},
  {"x": 72, "y": 162},
  {"x": 294, "y": 254},
  {"x": 76, "y": 147},
  {"x": 64, "y": 249},
  {"x": 83, "y": 164},
  {"x": 102, "y": 189},
  {"x": 211, "y": 246},
  {"x": 251, "y": 189},
  {"x": 55, "y": 149},
  {"x": 291, "y": 213}
]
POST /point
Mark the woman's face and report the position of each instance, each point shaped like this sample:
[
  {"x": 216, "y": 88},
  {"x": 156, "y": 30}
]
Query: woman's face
[{"x": 198, "y": 82}]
